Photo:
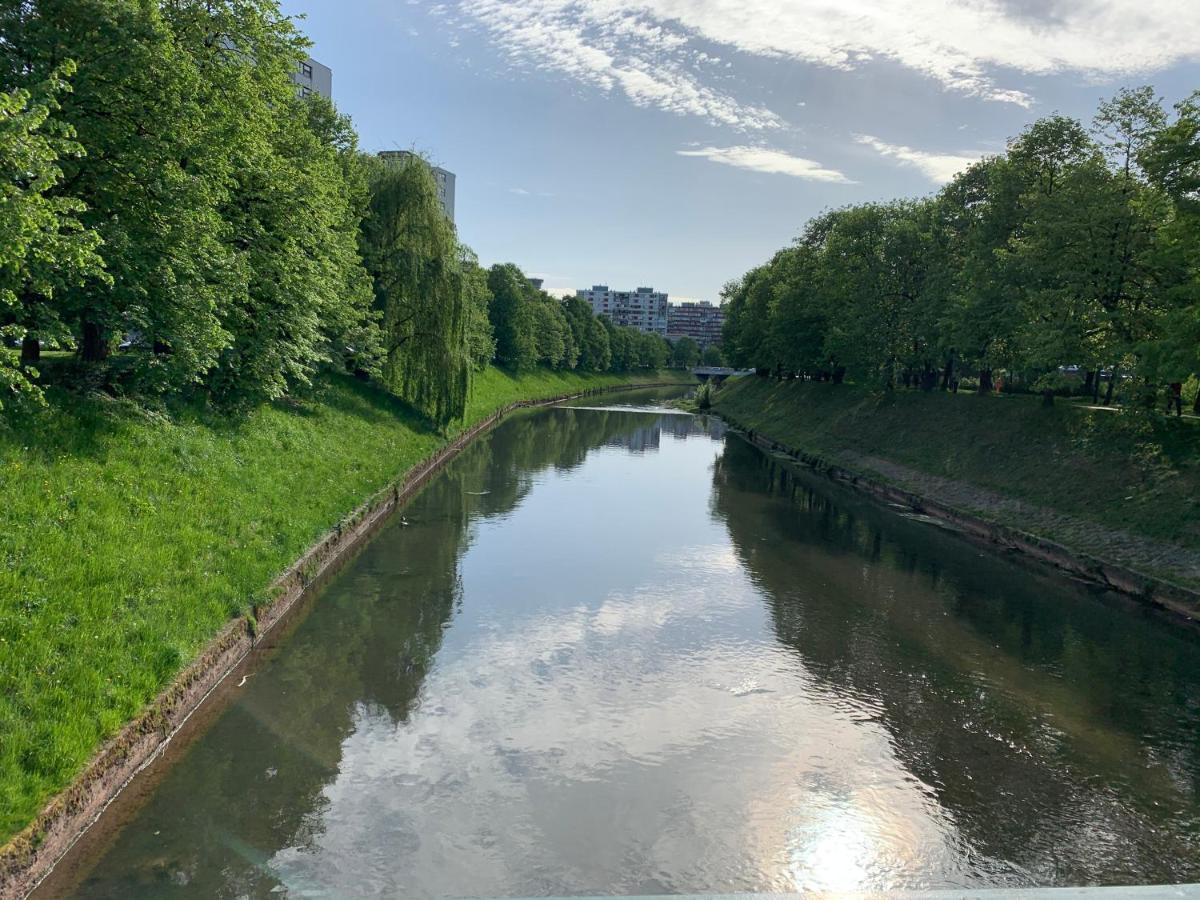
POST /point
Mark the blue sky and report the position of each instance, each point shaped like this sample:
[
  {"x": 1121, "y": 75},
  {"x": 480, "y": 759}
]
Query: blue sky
[{"x": 677, "y": 143}]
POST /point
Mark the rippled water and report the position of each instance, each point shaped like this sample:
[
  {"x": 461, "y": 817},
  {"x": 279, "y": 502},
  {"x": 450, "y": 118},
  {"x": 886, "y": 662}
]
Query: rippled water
[{"x": 619, "y": 652}]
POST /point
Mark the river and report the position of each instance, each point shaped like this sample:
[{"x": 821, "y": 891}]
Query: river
[{"x": 617, "y": 650}]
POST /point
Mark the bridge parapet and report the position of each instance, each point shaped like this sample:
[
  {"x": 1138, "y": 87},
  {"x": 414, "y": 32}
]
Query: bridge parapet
[{"x": 718, "y": 373}]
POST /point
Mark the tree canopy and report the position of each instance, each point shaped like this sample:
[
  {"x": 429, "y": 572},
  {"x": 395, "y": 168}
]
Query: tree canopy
[
  {"x": 183, "y": 221},
  {"x": 1069, "y": 260}
]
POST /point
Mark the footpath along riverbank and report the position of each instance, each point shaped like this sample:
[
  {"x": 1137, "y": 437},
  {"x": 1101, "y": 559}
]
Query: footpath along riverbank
[
  {"x": 185, "y": 522},
  {"x": 1109, "y": 499}
]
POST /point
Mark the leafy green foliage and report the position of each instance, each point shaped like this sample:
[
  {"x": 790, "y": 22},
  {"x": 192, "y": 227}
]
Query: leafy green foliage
[
  {"x": 481, "y": 341},
  {"x": 514, "y": 318},
  {"x": 685, "y": 353},
  {"x": 151, "y": 177},
  {"x": 414, "y": 258},
  {"x": 1072, "y": 252},
  {"x": 44, "y": 248}
]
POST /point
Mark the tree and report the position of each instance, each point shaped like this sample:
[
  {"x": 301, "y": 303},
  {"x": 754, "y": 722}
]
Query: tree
[
  {"x": 552, "y": 334},
  {"x": 652, "y": 350},
  {"x": 44, "y": 248},
  {"x": 296, "y": 191},
  {"x": 798, "y": 324},
  {"x": 685, "y": 353},
  {"x": 579, "y": 319},
  {"x": 151, "y": 180},
  {"x": 513, "y": 317},
  {"x": 748, "y": 308},
  {"x": 595, "y": 351},
  {"x": 712, "y": 356},
  {"x": 1065, "y": 251},
  {"x": 411, "y": 251},
  {"x": 976, "y": 215},
  {"x": 481, "y": 341},
  {"x": 622, "y": 343},
  {"x": 874, "y": 272},
  {"x": 1171, "y": 161}
]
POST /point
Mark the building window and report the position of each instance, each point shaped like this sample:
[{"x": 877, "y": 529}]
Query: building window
[
  {"x": 306, "y": 70},
  {"x": 305, "y": 92}
]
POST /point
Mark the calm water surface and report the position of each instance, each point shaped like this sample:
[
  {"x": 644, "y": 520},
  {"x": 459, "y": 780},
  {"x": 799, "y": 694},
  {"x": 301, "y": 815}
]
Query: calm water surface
[{"x": 615, "y": 651}]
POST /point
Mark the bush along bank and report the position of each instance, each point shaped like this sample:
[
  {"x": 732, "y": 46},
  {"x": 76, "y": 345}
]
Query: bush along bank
[
  {"x": 131, "y": 538},
  {"x": 1112, "y": 497}
]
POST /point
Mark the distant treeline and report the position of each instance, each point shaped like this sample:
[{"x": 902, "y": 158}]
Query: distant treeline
[
  {"x": 177, "y": 219},
  {"x": 1071, "y": 260}
]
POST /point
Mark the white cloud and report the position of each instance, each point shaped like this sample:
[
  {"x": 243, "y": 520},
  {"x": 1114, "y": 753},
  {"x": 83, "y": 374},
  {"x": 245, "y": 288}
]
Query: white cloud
[
  {"x": 937, "y": 167},
  {"x": 519, "y": 191},
  {"x": 622, "y": 51},
  {"x": 641, "y": 46},
  {"x": 774, "y": 162}
]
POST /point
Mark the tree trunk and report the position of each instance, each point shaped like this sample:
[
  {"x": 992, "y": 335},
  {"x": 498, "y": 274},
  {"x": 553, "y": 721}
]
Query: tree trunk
[
  {"x": 985, "y": 381},
  {"x": 1196, "y": 405},
  {"x": 95, "y": 346},
  {"x": 1112, "y": 383},
  {"x": 31, "y": 350},
  {"x": 1089, "y": 383}
]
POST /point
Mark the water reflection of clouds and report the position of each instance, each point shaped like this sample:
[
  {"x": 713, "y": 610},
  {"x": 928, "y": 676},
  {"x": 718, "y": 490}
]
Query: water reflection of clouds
[{"x": 532, "y": 746}]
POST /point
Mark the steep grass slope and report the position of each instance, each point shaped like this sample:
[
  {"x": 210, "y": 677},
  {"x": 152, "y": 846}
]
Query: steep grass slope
[{"x": 1119, "y": 485}]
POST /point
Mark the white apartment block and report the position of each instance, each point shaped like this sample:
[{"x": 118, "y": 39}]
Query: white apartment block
[
  {"x": 311, "y": 77},
  {"x": 644, "y": 309},
  {"x": 444, "y": 178}
]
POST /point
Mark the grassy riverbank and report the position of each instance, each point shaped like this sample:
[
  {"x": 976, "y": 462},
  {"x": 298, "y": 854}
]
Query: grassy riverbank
[
  {"x": 1119, "y": 486},
  {"x": 128, "y": 538}
]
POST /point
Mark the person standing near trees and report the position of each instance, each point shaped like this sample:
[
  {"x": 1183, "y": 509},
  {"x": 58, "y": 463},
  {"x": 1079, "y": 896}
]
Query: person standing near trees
[{"x": 1175, "y": 398}]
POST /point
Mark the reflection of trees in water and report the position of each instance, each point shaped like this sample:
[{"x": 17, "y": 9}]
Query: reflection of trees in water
[
  {"x": 496, "y": 474},
  {"x": 254, "y": 783},
  {"x": 1060, "y": 732}
]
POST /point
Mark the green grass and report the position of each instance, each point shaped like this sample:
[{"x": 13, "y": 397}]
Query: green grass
[
  {"x": 1136, "y": 473},
  {"x": 129, "y": 538}
]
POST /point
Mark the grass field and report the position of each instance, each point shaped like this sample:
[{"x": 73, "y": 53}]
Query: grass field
[
  {"x": 129, "y": 537},
  {"x": 1134, "y": 473}
]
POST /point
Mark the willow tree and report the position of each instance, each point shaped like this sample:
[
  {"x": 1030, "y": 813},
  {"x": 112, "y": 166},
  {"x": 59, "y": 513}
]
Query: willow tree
[{"x": 410, "y": 250}]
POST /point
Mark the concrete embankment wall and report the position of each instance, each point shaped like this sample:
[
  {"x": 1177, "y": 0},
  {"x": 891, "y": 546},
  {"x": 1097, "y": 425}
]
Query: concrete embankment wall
[{"x": 29, "y": 857}]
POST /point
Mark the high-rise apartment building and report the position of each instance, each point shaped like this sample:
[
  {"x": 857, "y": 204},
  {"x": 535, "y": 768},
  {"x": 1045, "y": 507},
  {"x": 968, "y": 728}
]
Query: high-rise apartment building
[
  {"x": 445, "y": 179},
  {"x": 644, "y": 309},
  {"x": 701, "y": 321},
  {"x": 311, "y": 77}
]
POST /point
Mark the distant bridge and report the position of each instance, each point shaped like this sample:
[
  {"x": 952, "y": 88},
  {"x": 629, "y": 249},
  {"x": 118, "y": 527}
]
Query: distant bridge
[{"x": 718, "y": 373}]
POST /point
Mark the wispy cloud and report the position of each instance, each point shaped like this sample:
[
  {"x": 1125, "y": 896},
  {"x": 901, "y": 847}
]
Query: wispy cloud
[
  {"x": 523, "y": 192},
  {"x": 937, "y": 167},
  {"x": 615, "y": 51},
  {"x": 773, "y": 162},
  {"x": 645, "y": 48}
]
